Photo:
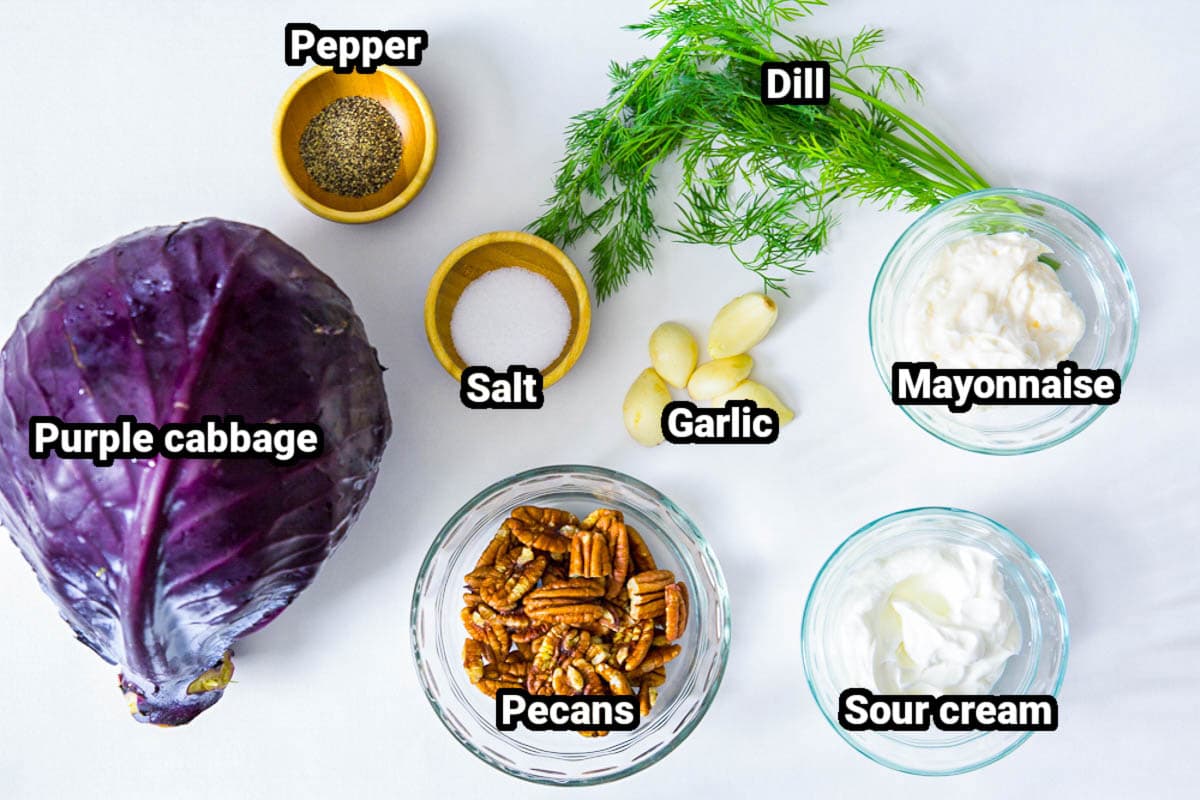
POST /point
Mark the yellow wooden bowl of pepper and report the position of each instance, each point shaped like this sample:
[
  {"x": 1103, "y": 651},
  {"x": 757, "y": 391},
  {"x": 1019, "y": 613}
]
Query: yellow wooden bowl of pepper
[{"x": 355, "y": 148}]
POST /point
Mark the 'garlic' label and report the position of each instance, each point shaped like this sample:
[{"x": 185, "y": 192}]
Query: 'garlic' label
[
  {"x": 565, "y": 712},
  {"x": 517, "y": 387},
  {"x": 861, "y": 710},
  {"x": 737, "y": 422}
]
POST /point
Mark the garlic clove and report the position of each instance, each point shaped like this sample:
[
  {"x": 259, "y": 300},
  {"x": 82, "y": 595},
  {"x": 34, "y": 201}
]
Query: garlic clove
[
  {"x": 762, "y": 397},
  {"x": 643, "y": 407},
  {"x": 673, "y": 353},
  {"x": 741, "y": 324},
  {"x": 719, "y": 376}
]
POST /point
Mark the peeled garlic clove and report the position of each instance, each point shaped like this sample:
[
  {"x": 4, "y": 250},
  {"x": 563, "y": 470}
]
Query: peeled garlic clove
[
  {"x": 673, "y": 353},
  {"x": 762, "y": 397},
  {"x": 644, "y": 404},
  {"x": 718, "y": 377},
  {"x": 741, "y": 324}
]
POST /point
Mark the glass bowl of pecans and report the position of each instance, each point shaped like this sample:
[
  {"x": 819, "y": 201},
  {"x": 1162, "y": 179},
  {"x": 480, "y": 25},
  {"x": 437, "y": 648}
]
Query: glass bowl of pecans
[{"x": 574, "y": 591}]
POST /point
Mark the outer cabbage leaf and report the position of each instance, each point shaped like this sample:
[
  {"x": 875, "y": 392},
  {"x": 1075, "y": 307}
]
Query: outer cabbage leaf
[{"x": 160, "y": 565}]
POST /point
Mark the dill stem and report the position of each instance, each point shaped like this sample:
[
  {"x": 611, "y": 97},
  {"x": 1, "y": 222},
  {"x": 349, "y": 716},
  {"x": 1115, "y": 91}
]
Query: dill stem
[
  {"x": 912, "y": 127},
  {"x": 932, "y": 163}
]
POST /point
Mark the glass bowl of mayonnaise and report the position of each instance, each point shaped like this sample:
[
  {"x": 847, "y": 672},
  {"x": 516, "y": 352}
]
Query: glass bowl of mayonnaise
[
  {"x": 933, "y": 602},
  {"x": 1004, "y": 279}
]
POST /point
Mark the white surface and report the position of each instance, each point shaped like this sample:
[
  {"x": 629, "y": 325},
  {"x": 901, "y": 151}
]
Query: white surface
[{"x": 115, "y": 118}]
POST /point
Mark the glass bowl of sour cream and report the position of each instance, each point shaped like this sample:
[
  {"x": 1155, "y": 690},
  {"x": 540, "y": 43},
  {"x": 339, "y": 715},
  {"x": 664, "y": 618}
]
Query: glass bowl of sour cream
[
  {"x": 933, "y": 601},
  {"x": 1009, "y": 279}
]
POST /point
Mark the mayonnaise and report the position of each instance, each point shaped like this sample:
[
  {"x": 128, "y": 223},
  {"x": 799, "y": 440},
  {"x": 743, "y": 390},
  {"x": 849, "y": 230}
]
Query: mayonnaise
[
  {"x": 930, "y": 619},
  {"x": 986, "y": 302}
]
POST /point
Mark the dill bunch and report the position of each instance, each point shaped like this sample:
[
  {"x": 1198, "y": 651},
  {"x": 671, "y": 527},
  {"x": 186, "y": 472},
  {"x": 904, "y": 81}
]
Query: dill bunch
[{"x": 760, "y": 180}]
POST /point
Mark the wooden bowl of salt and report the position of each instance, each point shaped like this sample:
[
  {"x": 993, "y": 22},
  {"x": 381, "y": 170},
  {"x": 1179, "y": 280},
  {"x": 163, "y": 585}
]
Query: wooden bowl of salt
[{"x": 507, "y": 298}]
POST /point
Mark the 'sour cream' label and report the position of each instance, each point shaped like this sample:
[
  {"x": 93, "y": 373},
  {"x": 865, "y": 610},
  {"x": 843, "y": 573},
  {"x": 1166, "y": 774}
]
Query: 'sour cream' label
[{"x": 861, "y": 710}]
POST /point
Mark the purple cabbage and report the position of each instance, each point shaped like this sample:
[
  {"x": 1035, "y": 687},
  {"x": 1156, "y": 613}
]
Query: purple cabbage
[{"x": 160, "y": 565}]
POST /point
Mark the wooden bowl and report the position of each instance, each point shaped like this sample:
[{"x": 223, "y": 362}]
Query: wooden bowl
[
  {"x": 397, "y": 92},
  {"x": 494, "y": 251}
]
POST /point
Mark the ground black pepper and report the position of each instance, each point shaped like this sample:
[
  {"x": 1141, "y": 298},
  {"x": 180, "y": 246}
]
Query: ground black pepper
[{"x": 351, "y": 147}]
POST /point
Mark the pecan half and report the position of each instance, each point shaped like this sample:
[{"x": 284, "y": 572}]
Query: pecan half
[
  {"x": 615, "y": 678},
  {"x": 676, "y": 597},
  {"x": 495, "y": 549},
  {"x": 655, "y": 677},
  {"x": 590, "y": 555},
  {"x": 515, "y": 575},
  {"x": 632, "y": 643},
  {"x": 543, "y": 528},
  {"x": 474, "y": 654},
  {"x": 647, "y": 598},
  {"x": 480, "y": 625},
  {"x": 642, "y": 560},
  {"x": 647, "y": 697},
  {"x": 657, "y": 657}
]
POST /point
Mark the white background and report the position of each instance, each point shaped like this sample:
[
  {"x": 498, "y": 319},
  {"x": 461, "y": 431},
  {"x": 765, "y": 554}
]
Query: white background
[{"x": 118, "y": 116}]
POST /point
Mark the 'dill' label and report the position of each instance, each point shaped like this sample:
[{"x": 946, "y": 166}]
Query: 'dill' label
[{"x": 794, "y": 83}]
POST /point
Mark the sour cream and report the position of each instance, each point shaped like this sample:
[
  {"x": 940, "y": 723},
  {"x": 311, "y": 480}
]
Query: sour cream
[
  {"x": 986, "y": 302},
  {"x": 931, "y": 619}
]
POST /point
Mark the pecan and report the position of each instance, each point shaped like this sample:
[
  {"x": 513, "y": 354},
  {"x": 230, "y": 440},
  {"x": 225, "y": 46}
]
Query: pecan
[
  {"x": 474, "y": 654},
  {"x": 514, "y": 667},
  {"x": 676, "y": 597},
  {"x": 490, "y": 685},
  {"x": 590, "y": 555},
  {"x": 543, "y": 528},
  {"x": 564, "y": 611},
  {"x": 655, "y": 677},
  {"x": 641, "y": 559},
  {"x": 529, "y": 634},
  {"x": 547, "y": 649},
  {"x": 657, "y": 657},
  {"x": 651, "y": 581},
  {"x": 495, "y": 549},
  {"x": 647, "y": 696},
  {"x": 598, "y": 653},
  {"x": 573, "y": 588},
  {"x": 517, "y": 572},
  {"x": 590, "y": 521},
  {"x": 525, "y": 649},
  {"x": 615, "y": 678},
  {"x": 480, "y": 626},
  {"x": 633, "y": 642},
  {"x": 555, "y": 571},
  {"x": 514, "y": 621},
  {"x": 647, "y": 596},
  {"x": 611, "y": 525},
  {"x": 592, "y": 682}
]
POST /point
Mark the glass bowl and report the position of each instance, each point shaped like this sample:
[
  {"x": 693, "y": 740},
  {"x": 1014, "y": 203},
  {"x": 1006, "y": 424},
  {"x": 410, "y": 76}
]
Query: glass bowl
[
  {"x": 1089, "y": 266},
  {"x": 565, "y": 757},
  {"x": 1038, "y": 666}
]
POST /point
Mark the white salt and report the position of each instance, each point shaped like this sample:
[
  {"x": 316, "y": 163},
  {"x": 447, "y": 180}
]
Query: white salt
[{"x": 510, "y": 316}]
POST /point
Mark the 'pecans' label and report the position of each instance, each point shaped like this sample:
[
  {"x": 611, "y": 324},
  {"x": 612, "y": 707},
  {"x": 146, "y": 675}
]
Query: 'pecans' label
[
  {"x": 566, "y": 712},
  {"x": 860, "y": 710}
]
